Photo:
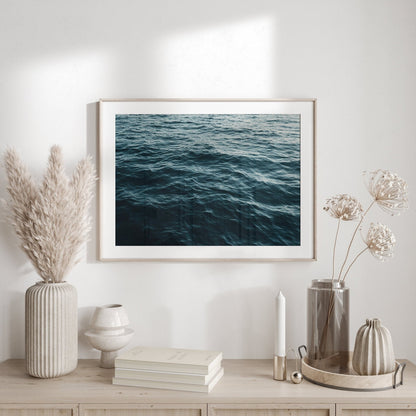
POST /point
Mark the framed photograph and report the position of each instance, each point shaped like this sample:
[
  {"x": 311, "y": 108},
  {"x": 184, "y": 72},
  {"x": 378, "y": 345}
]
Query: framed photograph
[{"x": 207, "y": 179}]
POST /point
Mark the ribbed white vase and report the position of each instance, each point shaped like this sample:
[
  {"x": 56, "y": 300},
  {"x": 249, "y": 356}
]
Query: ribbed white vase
[
  {"x": 373, "y": 350},
  {"x": 51, "y": 329}
]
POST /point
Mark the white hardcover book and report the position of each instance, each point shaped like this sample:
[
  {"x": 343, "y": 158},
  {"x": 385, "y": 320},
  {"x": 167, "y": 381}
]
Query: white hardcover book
[
  {"x": 170, "y": 359},
  {"x": 166, "y": 376},
  {"x": 170, "y": 385}
]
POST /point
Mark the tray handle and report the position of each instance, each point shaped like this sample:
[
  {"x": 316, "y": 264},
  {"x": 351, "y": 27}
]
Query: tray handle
[
  {"x": 302, "y": 347},
  {"x": 400, "y": 367}
]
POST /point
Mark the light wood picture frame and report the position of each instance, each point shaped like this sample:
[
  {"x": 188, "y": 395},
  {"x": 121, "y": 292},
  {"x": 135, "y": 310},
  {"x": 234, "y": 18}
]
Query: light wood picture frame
[{"x": 201, "y": 180}]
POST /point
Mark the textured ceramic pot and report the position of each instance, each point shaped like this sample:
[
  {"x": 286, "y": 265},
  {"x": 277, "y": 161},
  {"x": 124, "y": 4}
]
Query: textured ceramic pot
[
  {"x": 110, "y": 318},
  {"x": 373, "y": 350},
  {"x": 328, "y": 325},
  {"x": 51, "y": 329},
  {"x": 109, "y": 332}
]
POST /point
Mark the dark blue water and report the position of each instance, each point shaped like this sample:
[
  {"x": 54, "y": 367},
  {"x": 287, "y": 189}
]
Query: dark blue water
[{"x": 207, "y": 179}]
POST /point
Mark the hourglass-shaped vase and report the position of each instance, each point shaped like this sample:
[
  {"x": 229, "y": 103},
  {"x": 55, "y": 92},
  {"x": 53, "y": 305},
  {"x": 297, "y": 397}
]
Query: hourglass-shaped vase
[{"x": 109, "y": 332}]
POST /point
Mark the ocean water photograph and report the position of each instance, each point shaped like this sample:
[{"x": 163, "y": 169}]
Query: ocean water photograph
[{"x": 207, "y": 179}]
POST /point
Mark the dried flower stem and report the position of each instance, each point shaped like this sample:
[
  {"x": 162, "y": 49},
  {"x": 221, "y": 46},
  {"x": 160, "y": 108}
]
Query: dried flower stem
[
  {"x": 323, "y": 341},
  {"x": 335, "y": 246},
  {"x": 352, "y": 239},
  {"x": 355, "y": 259}
]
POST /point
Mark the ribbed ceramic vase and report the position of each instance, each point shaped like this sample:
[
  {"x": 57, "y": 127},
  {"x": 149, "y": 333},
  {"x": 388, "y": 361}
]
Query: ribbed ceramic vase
[
  {"x": 51, "y": 329},
  {"x": 373, "y": 350}
]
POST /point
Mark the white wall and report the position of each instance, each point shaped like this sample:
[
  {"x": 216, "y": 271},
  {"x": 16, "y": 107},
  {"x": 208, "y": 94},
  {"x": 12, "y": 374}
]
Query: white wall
[{"x": 358, "y": 58}]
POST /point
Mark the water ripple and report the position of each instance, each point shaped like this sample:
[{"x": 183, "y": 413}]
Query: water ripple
[{"x": 209, "y": 179}]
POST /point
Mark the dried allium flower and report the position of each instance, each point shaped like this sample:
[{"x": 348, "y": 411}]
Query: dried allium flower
[
  {"x": 388, "y": 189},
  {"x": 380, "y": 241},
  {"x": 344, "y": 207}
]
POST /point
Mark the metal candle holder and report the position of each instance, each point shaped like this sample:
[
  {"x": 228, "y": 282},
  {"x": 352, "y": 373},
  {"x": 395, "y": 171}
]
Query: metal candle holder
[{"x": 279, "y": 368}]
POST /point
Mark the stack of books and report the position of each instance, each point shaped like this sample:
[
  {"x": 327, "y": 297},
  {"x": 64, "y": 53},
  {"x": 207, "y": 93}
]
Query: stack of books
[{"x": 169, "y": 368}]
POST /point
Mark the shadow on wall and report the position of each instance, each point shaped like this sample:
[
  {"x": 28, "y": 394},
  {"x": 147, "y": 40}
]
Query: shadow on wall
[
  {"x": 16, "y": 324},
  {"x": 155, "y": 326},
  {"x": 10, "y": 249},
  {"x": 93, "y": 150},
  {"x": 84, "y": 319},
  {"x": 197, "y": 54},
  {"x": 232, "y": 321}
]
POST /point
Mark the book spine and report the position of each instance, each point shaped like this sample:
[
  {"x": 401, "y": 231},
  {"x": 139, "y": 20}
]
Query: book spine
[
  {"x": 161, "y": 376},
  {"x": 172, "y": 368},
  {"x": 156, "y": 385}
]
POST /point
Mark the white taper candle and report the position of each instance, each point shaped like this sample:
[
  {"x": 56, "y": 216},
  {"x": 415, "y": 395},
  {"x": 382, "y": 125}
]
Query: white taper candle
[{"x": 280, "y": 326}]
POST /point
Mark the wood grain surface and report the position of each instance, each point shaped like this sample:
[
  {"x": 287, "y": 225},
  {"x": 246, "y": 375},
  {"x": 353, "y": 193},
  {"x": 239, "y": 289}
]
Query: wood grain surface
[{"x": 245, "y": 381}]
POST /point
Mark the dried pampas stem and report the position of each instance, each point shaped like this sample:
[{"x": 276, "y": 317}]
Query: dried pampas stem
[{"x": 51, "y": 219}]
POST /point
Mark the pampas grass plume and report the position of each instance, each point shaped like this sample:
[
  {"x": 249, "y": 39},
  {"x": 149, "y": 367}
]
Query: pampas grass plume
[{"x": 51, "y": 218}]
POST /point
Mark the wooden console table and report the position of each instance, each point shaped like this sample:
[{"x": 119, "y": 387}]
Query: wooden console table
[{"x": 247, "y": 389}]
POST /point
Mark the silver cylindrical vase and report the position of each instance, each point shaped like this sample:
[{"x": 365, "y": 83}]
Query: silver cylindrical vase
[
  {"x": 51, "y": 329},
  {"x": 328, "y": 325}
]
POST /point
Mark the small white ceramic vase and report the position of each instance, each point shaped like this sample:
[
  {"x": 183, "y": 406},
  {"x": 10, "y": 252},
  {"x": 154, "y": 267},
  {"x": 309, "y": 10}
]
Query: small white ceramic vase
[
  {"x": 373, "y": 351},
  {"x": 51, "y": 329},
  {"x": 109, "y": 332}
]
